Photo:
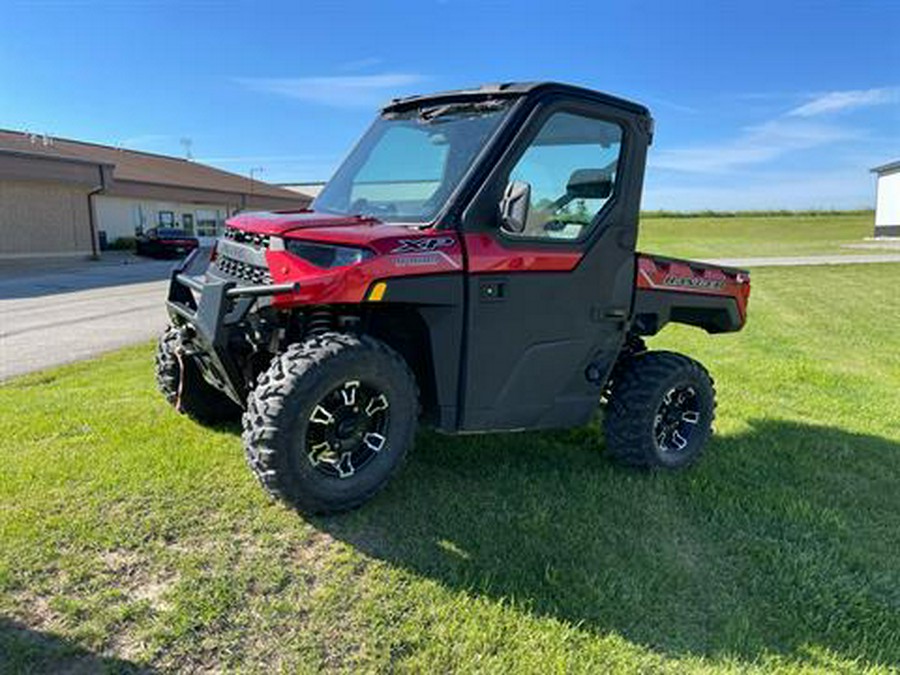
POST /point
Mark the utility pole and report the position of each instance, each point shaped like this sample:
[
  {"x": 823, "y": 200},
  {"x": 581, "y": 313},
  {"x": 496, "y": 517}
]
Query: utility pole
[
  {"x": 187, "y": 143},
  {"x": 255, "y": 170}
]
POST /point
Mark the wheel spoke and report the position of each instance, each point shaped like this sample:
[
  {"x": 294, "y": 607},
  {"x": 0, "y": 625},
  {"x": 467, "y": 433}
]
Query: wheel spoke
[
  {"x": 690, "y": 416},
  {"x": 348, "y": 393},
  {"x": 374, "y": 441},
  {"x": 345, "y": 466},
  {"x": 321, "y": 416},
  {"x": 316, "y": 451},
  {"x": 680, "y": 441},
  {"x": 377, "y": 404}
]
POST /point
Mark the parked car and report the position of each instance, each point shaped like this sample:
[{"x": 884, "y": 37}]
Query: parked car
[{"x": 165, "y": 242}]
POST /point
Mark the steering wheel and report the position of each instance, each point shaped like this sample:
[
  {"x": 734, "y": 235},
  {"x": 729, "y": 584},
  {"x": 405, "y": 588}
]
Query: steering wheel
[{"x": 363, "y": 205}]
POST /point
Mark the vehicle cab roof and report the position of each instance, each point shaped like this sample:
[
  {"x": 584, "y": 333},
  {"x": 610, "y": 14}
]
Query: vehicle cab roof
[{"x": 512, "y": 90}]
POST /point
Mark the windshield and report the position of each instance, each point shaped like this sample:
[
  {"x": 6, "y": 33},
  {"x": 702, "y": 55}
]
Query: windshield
[{"x": 407, "y": 165}]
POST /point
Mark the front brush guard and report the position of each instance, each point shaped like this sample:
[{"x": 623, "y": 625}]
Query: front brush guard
[{"x": 206, "y": 308}]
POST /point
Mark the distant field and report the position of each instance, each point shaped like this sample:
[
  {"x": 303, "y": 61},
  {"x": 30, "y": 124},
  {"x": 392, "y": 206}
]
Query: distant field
[
  {"x": 745, "y": 236},
  {"x": 131, "y": 537}
]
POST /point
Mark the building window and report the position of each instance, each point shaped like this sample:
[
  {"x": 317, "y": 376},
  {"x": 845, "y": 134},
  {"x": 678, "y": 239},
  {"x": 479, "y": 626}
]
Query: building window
[
  {"x": 166, "y": 219},
  {"x": 209, "y": 223},
  {"x": 187, "y": 222}
]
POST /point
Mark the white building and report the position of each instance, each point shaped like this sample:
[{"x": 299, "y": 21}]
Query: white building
[{"x": 887, "y": 201}]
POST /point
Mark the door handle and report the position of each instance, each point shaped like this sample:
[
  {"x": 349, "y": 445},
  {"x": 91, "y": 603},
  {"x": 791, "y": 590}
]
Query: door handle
[{"x": 599, "y": 314}]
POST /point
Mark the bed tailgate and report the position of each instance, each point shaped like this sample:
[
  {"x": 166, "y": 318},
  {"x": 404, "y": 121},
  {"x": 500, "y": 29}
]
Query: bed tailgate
[{"x": 708, "y": 296}]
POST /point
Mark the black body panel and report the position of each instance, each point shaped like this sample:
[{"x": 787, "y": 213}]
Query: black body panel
[
  {"x": 434, "y": 351},
  {"x": 528, "y": 353},
  {"x": 713, "y": 313}
]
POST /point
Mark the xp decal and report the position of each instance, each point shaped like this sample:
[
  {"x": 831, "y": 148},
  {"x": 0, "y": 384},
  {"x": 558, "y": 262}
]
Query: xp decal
[{"x": 423, "y": 244}]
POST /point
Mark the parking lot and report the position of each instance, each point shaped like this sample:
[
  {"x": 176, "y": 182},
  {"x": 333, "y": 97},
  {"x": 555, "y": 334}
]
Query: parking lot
[{"x": 60, "y": 311}]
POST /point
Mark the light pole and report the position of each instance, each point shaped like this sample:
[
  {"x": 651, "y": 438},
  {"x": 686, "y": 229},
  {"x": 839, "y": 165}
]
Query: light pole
[{"x": 255, "y": 170}]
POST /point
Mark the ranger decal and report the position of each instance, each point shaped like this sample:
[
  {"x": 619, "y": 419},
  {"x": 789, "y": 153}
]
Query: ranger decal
[{"x": 693, "y": 282}]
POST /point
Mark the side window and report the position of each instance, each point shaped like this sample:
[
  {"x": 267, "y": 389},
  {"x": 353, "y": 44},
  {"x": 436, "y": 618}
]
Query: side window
[{"x": 566, "y": 175}]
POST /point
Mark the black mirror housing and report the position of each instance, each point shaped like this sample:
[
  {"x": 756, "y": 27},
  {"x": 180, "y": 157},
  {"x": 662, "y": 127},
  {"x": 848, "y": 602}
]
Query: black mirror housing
[{"x": 514, "y": 206}]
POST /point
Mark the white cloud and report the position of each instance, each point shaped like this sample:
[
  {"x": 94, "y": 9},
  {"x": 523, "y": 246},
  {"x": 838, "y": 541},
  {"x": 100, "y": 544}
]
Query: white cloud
[
  {"x": 839, "y": 101},
  {"x": 339, "y": 91},
  {"x": 755, "y": 145}
]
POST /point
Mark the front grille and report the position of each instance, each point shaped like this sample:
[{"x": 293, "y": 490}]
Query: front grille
[
  {"x": 238, "y": 269},
  {"x": 250, "y": 238}
]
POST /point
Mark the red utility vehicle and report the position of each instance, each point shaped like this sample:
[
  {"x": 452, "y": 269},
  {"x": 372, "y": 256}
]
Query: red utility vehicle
[{"x": 471, "y": 265}]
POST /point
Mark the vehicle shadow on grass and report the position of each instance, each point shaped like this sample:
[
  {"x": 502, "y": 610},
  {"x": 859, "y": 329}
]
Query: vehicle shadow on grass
[
  {"x": 24, "y": 650},
  {"x": 779, "y": 541}
]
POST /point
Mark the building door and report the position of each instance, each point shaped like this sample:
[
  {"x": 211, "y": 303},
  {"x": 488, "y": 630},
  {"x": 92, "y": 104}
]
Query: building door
[{"x": 187, "y": 222}]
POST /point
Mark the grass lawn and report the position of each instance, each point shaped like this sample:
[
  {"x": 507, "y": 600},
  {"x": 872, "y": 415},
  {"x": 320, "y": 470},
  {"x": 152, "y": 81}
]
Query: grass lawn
[
  {"x": 131, "y": 537},
  {"x": 745, "y": 236}
]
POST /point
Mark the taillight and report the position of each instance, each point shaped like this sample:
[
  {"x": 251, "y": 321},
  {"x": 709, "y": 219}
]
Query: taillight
[{"x": 212, "y": 251}]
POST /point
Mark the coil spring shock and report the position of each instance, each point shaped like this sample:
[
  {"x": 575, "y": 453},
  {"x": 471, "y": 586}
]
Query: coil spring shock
[{"x": 319, "y": 321}]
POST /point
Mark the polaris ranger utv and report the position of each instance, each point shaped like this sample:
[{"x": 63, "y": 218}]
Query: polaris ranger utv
[{"x": 471, "y": 264}]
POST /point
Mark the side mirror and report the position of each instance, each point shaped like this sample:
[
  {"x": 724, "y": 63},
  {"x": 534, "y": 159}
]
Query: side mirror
[
  {"x": 589, "y": 184},
  {"x": 514, "y": 206}
]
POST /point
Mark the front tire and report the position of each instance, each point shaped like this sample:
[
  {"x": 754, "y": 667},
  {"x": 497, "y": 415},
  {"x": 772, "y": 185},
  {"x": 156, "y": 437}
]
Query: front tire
[
  {"x": 660, "y": 411},
  {"x": 196, "y": 398},
  {"x": 330, "y": 422}
]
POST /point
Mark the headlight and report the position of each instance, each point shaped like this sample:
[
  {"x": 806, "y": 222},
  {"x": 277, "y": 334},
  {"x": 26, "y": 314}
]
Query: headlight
[{"x": 326, "y": 256}]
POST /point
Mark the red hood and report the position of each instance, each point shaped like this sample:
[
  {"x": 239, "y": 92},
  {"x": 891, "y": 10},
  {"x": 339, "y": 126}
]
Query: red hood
[{"x": 279, "y": 223}]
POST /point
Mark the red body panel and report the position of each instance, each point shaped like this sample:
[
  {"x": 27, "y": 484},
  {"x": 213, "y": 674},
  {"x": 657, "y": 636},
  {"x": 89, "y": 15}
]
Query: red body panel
[
  {"x": 684, "y": 276},
  {"x": 400, "y": 251},
  {"x": 405, "y": 250},
  {"x": 486, "y": 254},
  {"x": 279, "y": 223}
]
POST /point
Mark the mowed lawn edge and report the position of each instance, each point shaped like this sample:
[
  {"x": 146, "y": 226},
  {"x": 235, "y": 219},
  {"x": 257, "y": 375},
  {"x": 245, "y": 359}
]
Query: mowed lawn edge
[
  {"x": 132, "y": 538},
  {"x": 749, "y": 235}
]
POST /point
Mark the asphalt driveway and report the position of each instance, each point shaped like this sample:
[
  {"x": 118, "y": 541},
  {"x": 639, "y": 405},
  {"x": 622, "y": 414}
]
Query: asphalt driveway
[{"x": 61, "y": 311}]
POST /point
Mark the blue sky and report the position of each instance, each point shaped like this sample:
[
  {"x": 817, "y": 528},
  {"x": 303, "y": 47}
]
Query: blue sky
[{"x": 758, "y": 104}]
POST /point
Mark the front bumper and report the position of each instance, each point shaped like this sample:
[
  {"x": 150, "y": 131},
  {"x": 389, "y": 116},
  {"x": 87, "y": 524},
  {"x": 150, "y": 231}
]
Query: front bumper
[{"x": 207, "y": 308}]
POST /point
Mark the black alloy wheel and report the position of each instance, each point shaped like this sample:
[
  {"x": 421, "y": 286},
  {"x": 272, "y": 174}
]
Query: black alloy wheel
[
  {"x": 676, "y": 419},
  {"x": 347, "y": 429}
]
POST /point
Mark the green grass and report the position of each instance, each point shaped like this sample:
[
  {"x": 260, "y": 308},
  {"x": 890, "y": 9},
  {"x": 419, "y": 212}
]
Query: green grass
[
  {"x": 131, "y": 537},
  {"x": 751, "y": 235}
]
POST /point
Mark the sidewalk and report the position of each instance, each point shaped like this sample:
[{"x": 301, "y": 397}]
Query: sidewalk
[{"x": 796, "y": 261}]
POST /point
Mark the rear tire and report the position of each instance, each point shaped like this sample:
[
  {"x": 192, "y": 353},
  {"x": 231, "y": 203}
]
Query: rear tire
[
  {"x": 330, "y": 422},
  {"x": 198, "y": 399},
  {"x": 660, "y": 411}
]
